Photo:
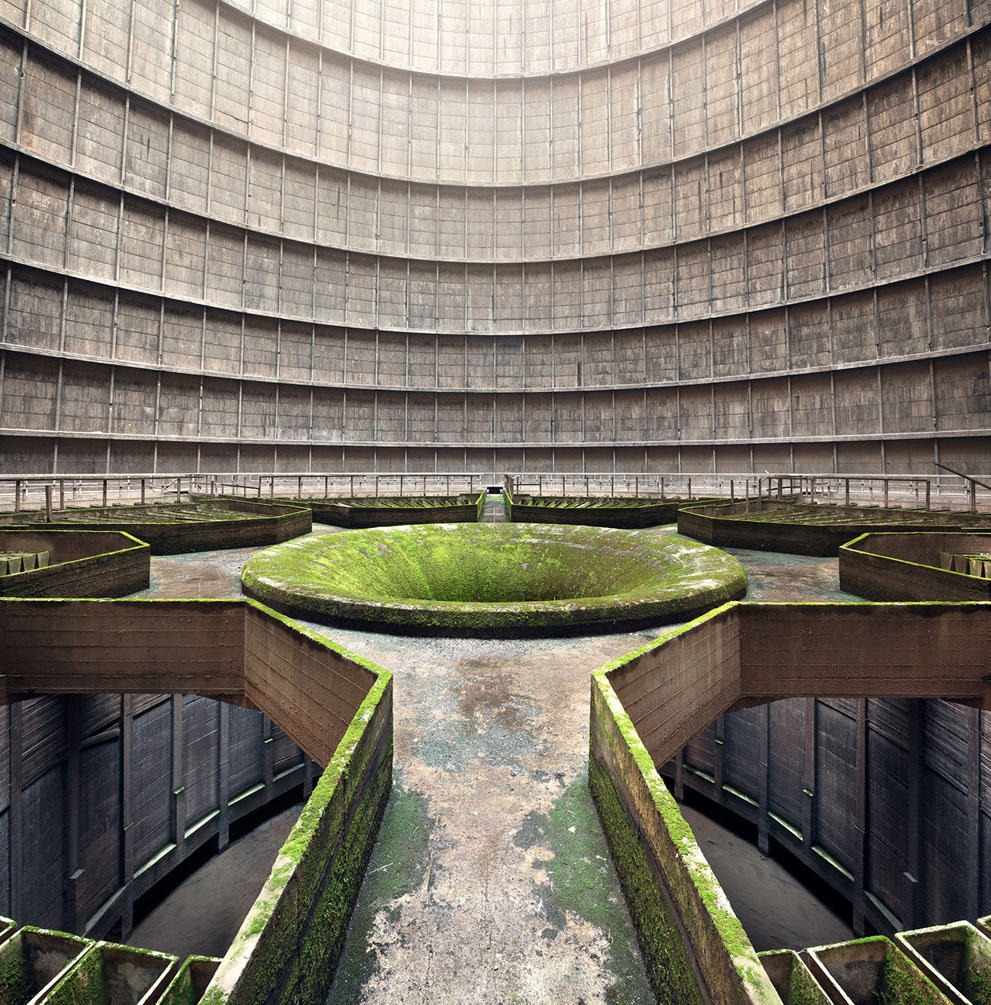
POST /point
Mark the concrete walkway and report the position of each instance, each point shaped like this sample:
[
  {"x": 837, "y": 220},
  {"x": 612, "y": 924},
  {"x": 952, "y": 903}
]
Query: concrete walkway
[{"x": 491, "y": 880}]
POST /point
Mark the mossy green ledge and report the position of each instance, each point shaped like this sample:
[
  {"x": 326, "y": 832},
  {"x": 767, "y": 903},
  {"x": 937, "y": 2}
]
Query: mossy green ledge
[
  {"x": 494, "y": 579},
  {"x": 695, "y": 948}
]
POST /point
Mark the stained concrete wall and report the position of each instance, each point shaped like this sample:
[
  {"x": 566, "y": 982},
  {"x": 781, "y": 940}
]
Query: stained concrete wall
[
  {"x": 102, "y": 795},
  {"x": 886, "y": 799},
  {"x": 907, "y": 567},
  {"x": 316, "y": 239},
  {"x": 81, "y": 564},
  {"x": 337, "y": 704}
]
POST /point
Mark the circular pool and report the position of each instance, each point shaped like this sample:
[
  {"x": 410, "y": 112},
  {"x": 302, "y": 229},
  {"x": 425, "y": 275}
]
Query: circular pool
[{"x": 494, "y": 579}]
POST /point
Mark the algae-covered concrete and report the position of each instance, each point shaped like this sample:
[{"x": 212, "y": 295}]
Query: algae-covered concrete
[{"x": 494, "y": 579}]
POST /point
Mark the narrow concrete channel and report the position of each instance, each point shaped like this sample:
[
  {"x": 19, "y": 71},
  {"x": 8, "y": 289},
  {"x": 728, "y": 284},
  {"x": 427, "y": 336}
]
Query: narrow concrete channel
[{"x": 491, "y": 880}]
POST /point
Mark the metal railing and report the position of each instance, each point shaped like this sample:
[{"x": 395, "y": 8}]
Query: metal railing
[{"x": 937, "y": 491}]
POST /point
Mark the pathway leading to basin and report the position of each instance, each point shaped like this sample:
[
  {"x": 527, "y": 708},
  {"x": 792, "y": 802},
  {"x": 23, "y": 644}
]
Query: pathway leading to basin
[{"x": 490, "y": 880}]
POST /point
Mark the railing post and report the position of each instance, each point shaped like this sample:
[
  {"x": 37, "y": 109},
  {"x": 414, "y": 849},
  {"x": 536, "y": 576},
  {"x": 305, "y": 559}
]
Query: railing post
[
  {"x": 928, "y": 494},
  {"x": 885, "y": 492},
  {"x": 17, "y": 495},
  {"x": 61, "y": 493},
  {"x": 636, "y": 486},
  {"x": 48, "y": 504},
  {"x": 689, "y": 488},
  {"x": 846, "y": 494},
  {"x": 104, "y": 491},
  {"x": 973, "y": 497}
]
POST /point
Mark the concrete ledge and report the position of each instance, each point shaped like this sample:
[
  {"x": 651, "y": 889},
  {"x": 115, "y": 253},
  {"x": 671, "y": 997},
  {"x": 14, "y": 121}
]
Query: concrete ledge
[
  {"x": 811, "y": 529},
  {"x": 907, "y": 567},
  {"x": 956, "y": 958},
  {"x": 872, "y": 969},
  {"x": 333, "y": 703},
  {"x": 190, "y": 981},
  {"x": 792, "y": 979},
  {"x": 630, "y": 514},
  {"x": 384, "y": 511},
  {"x": 204, "y": 524},
  {"x": 81, "y": 563},
  {"x": 647, "y": 705}
]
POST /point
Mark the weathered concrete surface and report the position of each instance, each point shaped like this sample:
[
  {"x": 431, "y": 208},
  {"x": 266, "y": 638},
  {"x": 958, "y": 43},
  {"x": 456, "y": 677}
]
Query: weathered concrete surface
[
  {"x": 228, "y": 883},
  {"x": 774, "y": 909},
  {"x": 504, "y": 889},
  {"x": 479, "y": 889}
]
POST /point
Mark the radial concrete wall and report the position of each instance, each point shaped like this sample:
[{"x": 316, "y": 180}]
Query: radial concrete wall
[{"x": 316, "y": 236}]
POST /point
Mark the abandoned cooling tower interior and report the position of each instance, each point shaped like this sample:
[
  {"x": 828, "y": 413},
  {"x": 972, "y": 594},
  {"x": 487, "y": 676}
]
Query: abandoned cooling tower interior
[{"x": 495, "y": 502}]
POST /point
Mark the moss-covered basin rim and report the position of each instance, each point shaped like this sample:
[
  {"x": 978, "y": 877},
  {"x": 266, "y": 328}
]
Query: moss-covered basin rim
[{"x": 490, "y": 576}]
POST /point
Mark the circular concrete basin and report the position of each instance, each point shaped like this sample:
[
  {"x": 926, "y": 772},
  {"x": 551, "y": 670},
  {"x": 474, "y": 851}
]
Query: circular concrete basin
[{"x": 493, "y": 579}]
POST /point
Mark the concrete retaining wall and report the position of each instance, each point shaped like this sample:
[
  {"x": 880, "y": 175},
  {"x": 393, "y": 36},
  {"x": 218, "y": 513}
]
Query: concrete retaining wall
[
  {"x": 391, "y": 511},
  {"x": 336, "y": 703},
  {"x": 886, "y": 852},
  {"x": 907, "y": 567},
  {"x": 81, "y": 564},
  {"x": 267, "y": 523},
  {"x": 628, "y": 513},
  {"x": 711, "y": 525},
  {"x": 694, "y": 947}
]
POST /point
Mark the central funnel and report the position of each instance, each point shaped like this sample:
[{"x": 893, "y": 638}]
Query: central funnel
[{"x": 506, "y": 579}]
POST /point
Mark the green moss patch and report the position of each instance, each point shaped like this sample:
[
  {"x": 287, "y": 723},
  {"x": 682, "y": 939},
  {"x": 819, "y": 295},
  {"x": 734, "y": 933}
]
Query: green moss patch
[
  {"x": 492, "y": 579},
  {"x": 572, "y": 832},
  {"x": 289, "y": 943},
  {"x": 397, "y": 867}
]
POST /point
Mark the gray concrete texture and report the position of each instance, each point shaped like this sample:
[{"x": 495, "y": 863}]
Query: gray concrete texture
[{"x": 322, "y": 237}]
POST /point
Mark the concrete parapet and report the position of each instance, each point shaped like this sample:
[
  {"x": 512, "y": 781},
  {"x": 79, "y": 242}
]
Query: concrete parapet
[
  {"x": 649, "y": 704},
  {"x": 190, "y": 981},
  {"x": 811, "y": 529},
  {"x": 81, "y": 563},
  {"x": 694, "y": 947},
  {"x": 335, "y": 704},
  {"x": 599, "y": 512},
  {"x": 956, "y": 958},
  {"x": 381, "y": 511},
  {"x": 109, "y": 974},
  {"x": 170, "y": 528},
  {"x": 908, "y": 566},
  {"x": 869, "y": 971},
  {"x": 32, "y": 960},
  {"x": 792, "y": 979}
]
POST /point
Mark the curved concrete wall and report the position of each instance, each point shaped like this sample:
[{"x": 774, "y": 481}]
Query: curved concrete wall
[{"x": 394, "y": 238}]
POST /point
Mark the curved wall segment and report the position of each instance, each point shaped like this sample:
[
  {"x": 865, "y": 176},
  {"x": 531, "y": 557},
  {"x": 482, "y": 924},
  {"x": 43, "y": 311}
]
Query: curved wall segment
[{"x": 397, "y": 238}]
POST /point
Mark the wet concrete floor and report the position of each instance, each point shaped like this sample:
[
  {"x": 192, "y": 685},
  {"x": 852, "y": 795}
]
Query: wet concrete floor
[
  {"x": 490, "y": 880},
  {"x": 203, "y": 913}
]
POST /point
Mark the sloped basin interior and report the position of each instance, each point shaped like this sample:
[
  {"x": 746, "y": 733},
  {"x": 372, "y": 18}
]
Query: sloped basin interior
[{"x": 493, "y": 579}]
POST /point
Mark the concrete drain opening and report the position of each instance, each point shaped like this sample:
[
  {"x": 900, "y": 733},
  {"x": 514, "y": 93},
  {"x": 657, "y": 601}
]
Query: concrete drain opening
[{"x": 494, "y": 580}]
